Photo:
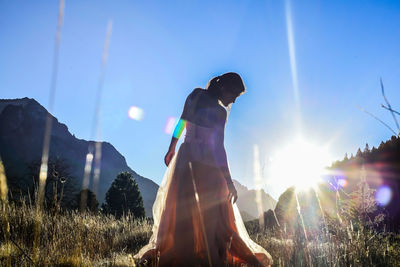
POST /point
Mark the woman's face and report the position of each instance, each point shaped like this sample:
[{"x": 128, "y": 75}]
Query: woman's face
[{"x": 228, "y": 98}]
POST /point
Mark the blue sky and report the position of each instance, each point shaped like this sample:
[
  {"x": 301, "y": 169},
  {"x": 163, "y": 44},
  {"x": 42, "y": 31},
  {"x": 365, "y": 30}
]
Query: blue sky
[{"x": 161, "y": 50}]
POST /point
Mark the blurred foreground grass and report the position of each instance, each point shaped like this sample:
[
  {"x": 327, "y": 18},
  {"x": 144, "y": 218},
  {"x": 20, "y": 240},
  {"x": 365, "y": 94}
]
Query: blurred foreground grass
[
  {"x": 74, "y": 239},
  {"x": 71, "y": 238}
]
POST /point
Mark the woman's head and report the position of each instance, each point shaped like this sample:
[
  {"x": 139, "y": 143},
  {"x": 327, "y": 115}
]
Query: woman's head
[{"x": 226, "y": 87}]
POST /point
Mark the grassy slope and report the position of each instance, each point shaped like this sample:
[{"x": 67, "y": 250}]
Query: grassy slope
[{"x": 95, "y": 239}]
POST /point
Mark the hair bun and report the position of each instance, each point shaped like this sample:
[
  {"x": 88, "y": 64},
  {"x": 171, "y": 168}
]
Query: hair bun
[{"x": 231, "y": 81}]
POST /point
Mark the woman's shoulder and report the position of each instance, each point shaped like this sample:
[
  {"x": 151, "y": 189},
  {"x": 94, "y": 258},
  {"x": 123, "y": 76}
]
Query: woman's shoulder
[
  {"x": 209, "y": 101},
  {"x": 206, "y": 107},
  {"x": 196, "y": 92}
]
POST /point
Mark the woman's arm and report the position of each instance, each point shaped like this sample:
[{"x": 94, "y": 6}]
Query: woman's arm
[
  {"x": 187, "y": 113},
  {"x": 174, "y": 140},
  {"x": 222, "y": 159},
  {"x": 227, "y": 174}
]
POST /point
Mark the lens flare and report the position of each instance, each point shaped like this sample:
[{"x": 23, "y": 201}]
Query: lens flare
[
  {"x": 135, "y": 113},
  {"x": 292, "y": 51},
  {"x": 47, "y": 135},
  {"x": 383, "y": 195},
  {"x": 342, "y": 182},
  {"x": 170, "y": 125},
  {"x": 179, "y": 128}
]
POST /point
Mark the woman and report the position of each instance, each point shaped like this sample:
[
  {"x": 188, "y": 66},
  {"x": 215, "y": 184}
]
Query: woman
[{"x": 195, "y": 221}]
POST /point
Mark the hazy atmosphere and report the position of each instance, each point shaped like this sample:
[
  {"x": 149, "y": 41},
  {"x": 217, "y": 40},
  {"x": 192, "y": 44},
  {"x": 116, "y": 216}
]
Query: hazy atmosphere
[
  {"x": 308, "y": 67},
  {"x": 287, "y": 114}
]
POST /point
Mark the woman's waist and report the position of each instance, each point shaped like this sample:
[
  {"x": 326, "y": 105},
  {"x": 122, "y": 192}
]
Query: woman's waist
[
  {"x": 200, "y": 134},
  {"x": 202, "y": 152},
  {"x": 205, "y": 140}
]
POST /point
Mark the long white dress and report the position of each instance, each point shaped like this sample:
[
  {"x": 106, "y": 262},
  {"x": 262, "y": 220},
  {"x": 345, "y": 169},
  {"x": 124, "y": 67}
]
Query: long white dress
[{"x": 194, "y": 222}]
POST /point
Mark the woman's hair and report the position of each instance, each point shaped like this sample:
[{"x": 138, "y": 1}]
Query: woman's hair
[{"x": 228, "y": 82}]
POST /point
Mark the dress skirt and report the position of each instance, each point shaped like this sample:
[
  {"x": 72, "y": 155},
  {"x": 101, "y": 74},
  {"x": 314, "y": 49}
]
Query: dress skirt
[{"x": 194, "y": 222}]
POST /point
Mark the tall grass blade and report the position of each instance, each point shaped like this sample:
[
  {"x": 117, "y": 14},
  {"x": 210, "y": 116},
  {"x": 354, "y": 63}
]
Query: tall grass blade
[
  {"x": 47, "y": 134},
  {"x": 94, "y": 150}
]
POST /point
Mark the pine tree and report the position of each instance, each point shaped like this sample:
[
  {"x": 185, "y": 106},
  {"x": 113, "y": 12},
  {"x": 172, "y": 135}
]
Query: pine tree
[
  {"x": 366, "y": 149},
  {"x": 346, "y": 157},
  {"x": 91, "y": 201},
  {"x": 381, "y": 145},
  {"x": 359, "y": 153},
  {"x": 123, "y": 197},
  {"x": 361, "y": 201}
]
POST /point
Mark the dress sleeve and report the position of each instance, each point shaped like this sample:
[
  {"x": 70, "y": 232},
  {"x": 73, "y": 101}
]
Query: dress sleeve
[{"x": 190, "y": 105}]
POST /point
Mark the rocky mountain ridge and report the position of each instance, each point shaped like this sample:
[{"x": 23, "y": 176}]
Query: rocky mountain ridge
[
  {"x": 22, "y": 124},
  {"x": 247, "y": 202}
]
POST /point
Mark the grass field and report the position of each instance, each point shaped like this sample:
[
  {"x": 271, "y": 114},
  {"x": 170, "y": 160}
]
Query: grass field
[{"x": 73, "y": 239}]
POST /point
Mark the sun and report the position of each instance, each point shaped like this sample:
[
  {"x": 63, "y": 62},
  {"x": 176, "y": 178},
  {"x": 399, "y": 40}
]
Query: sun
[{"x": 300, "y": 164}]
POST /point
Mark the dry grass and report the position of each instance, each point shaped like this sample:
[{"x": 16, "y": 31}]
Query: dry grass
[
  {"x": 74, "y": 239},
  {"x": 354, "y": 248},
  {"x": 71, "y": 238}
]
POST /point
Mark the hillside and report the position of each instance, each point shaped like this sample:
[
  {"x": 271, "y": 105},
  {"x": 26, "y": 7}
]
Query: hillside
[
  {"x": 22, "y": 124},
  {"x": 370, "y": 181},
  {"x": 380, "y": 167},
  {"x": 247, "y": 202}
]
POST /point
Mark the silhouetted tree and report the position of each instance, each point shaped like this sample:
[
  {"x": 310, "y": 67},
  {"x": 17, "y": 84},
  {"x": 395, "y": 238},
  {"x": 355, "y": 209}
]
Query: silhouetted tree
[
  {"x": 366, "y": 149},
  {"x": 384, "y": 160},
  {"x": 123, "y": 197},
  {"x": 91, "y": 201},
  {"x": 359, "y": 153},
  {"x": 381, "y": 145}
]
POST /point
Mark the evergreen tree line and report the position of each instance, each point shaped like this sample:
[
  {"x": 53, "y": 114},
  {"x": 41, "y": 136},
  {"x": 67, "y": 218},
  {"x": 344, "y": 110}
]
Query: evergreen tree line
[
  {"x": 62, "y": 193},
  {"x": 382, "y": 168},
  {"x": 387, "y": 152}
]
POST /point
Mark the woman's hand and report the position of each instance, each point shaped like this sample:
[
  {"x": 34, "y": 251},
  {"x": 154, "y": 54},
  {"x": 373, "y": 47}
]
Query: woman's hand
[
  {"x": 168, "y": 157},
  {"x": 232, "y": 193}
]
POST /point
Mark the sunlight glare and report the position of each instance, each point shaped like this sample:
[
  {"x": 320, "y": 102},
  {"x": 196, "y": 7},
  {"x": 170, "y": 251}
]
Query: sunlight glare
[
  {"x": 292, "y": 51},
  {"x": 258, "y": 183},
  {"x": 342, "y": 182},
  {"x": 300, "y": 164},
  {"x": 136, "y": 113}
]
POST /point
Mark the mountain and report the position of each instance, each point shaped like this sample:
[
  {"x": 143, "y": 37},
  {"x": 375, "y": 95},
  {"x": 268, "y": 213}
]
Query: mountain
[
  {"x": 286, "y": 212},
  {"x": 22, "y": 124},
  {"x": 247, "y": 202}
]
